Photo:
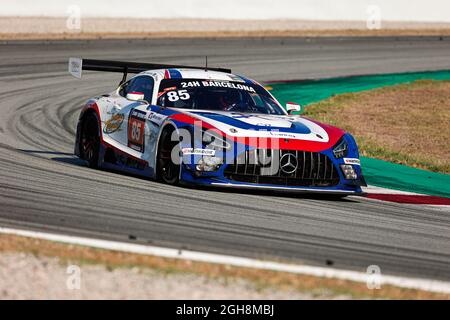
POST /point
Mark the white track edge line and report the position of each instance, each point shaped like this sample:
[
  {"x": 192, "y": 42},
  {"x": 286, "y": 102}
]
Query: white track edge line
[{"x": 404, "y": 282}]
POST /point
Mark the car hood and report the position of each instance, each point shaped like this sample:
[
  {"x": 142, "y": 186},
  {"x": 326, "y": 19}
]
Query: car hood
[{"x": 291, "y": 128}]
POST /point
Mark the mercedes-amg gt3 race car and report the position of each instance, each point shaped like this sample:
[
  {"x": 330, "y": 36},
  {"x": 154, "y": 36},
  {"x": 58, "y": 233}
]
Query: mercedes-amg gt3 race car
[{"x": 207, "y": 126}]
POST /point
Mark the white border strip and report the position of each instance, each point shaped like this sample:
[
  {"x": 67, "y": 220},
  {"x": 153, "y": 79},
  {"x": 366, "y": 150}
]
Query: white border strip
[
  {"x": 380, "y": 190},
  {"x": 404, "y": 282}
]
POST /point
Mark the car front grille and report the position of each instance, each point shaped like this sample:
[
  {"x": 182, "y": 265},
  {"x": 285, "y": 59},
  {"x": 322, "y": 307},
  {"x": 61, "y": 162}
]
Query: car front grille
[{"x": 313, "y": 169}]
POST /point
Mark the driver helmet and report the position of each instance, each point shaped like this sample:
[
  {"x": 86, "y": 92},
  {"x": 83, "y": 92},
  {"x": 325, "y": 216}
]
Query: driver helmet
[{"x": 229, "y": 98}]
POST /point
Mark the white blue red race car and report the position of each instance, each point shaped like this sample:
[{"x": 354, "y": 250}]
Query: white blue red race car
[{"x": 207, "y": 126}]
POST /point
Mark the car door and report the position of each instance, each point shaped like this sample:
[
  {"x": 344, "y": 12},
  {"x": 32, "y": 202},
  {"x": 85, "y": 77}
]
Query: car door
[
  {"x": 137, "y": 112},
  {"x": 131, "y": 113}
]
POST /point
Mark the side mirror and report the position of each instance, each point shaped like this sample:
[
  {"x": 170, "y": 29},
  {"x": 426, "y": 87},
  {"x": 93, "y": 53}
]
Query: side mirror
[
  {"x": 291, "y": 107},
  {"x": 135, "y": 96}
]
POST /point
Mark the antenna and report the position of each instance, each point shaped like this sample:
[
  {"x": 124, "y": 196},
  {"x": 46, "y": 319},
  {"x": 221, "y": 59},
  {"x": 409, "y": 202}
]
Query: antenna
[{"x": 206, "y": 63}]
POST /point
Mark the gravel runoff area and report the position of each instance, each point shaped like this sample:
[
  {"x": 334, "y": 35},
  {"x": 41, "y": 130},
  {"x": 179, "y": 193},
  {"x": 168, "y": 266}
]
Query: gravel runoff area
[
  {"x": 26, "y": 276},
  {"x": 46, "y": 27},
  {"x": 40, "y": 269}
]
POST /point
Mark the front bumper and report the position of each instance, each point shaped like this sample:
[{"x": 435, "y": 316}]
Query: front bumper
[
  {"x": 222, "y": 182},
  {"x": 313, "y": 172},
  {"x": 304, "y": 190}
]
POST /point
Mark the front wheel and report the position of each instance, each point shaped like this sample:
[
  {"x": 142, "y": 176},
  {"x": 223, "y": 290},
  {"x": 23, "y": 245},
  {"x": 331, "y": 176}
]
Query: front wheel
[
  {"x": 90, "y": 140},
  {"x": 168, "y": 159}
]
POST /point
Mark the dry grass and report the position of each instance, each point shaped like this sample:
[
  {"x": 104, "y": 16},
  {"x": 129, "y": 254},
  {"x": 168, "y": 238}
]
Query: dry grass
[
  {"x": 112, "y": 259},
  {"x": 407, "y": 124},
  {"x": 26, "y": 28},
  {"x": 225, "y": 34}
]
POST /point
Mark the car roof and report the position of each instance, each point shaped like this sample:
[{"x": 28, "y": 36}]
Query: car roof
[{"x": 187, "y": 73}]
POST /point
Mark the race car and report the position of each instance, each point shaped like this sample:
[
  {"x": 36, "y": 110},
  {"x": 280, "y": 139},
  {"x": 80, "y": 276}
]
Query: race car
[{"x": 207, "y": 126}]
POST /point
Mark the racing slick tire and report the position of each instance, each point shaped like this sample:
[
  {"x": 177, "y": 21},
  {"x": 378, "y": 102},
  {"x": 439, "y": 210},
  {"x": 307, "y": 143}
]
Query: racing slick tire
[
  {"x": 167, "y": 170},
  {"x": 90, "y": 140}
]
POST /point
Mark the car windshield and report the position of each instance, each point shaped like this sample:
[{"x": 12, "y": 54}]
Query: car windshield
[{"x": 217, "y": 95}]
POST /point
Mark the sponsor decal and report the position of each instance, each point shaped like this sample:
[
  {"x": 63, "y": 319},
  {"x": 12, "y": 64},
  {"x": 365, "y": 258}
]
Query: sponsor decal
[
  {"x": 198, "y": 151},
  {"x": 225, "y": 84},
  {"x": 282, "y": 134},
  {"x": 354, "y": 161},
  {"x": 190, "y": 84},
  {"x": 165, "y": 90},
  {"x": 136, "y": 129},
  {"x": 113, "y": 124},
  {"x": 156, "y": 118},
  {"x": 220, "y": 84}
]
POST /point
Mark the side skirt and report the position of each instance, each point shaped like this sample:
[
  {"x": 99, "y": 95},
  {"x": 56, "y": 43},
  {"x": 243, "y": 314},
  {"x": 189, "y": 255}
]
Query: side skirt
[{"x": 112, "y": 159}]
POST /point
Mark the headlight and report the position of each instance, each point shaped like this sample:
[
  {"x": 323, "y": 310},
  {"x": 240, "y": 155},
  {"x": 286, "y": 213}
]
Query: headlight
[
  {"x": 341, "y": 149},
  {"x": 208, "y": 163},
  {"x": 214, "y": 140},
  {"x": 349, "y": 172}
]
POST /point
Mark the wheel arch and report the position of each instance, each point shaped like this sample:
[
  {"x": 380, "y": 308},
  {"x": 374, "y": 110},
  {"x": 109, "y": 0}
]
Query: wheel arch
[
  {"x": 83, "y": 115},
  {"x": 167, "y": 125}
]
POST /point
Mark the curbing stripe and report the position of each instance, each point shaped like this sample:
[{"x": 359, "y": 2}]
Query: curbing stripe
[
  {"x": 411, "y": 199},
  {"x": 404, "y": 282},
  {"x": 380, "y": 190},
  {"x": 392, "y": 195}
]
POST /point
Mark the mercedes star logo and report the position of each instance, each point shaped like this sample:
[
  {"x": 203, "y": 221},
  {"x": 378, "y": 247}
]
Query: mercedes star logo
[{"x": 288, "y": 163}]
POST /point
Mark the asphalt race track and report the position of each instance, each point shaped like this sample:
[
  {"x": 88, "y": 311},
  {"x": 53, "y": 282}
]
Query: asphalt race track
[{"x": 44, "y": 187}]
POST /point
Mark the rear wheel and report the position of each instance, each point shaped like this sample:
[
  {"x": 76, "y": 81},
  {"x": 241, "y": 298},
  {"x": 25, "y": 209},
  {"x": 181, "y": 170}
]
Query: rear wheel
[
  {"x": 168, "y": 168},
  {"x": 90, "y": 140}
]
